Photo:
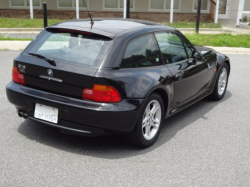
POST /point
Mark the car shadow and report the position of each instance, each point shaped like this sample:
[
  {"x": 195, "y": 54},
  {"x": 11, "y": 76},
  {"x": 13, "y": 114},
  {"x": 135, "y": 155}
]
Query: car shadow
[{"x": 114, "y": 147}]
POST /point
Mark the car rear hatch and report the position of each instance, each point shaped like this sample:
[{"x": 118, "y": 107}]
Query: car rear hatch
[{"x": 62, "y": 61}]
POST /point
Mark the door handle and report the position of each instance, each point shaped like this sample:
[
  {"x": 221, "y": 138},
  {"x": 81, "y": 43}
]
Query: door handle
[{"x": 179, "y": 75}]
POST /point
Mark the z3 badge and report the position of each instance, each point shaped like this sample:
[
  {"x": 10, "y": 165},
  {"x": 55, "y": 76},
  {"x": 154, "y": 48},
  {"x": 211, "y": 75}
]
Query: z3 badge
[{"x": 21, "y": 68}]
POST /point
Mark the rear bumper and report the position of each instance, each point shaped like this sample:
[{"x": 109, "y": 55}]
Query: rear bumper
[{"x": 78, "y": 115}]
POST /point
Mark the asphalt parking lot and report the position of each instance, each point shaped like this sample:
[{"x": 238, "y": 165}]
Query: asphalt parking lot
[{"x": 207, "y": 144}]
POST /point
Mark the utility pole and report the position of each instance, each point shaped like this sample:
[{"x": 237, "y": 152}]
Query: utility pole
[
  {"x": 125, "y": 9},
  {"x": 198, "y": 16},
  {"x": 45, "y": 19},
  {"x": 77, "y": 9},
  {"x": 128, "y": 9},
  {"x": 31, "y": 9},
  {"x": 171, "y": 11}
]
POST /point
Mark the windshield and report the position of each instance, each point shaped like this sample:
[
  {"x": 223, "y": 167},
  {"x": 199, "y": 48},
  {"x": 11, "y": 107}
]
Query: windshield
[{"x": 70, "y": 47}]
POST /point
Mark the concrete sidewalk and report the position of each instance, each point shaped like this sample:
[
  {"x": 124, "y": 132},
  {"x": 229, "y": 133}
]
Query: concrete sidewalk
[
  {"x": 13, "y": 45},
  {"x": 223, "y": 30},
  {"x": 20, "y": 45},
  {"x": 20, "y": 32}
]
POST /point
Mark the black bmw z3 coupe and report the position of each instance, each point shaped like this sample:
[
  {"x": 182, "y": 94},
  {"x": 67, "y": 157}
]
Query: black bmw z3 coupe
[{"x": 116, "y": 76}]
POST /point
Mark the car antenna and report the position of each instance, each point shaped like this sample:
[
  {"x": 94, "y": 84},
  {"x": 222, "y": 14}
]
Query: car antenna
[{"x": 92, "y": 22}]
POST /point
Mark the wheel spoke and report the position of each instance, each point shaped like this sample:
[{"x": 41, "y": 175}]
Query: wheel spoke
[
  {"x": 222, "y": 74},
  {"x": 144, "y": 125},
  {"x": 147, "y": 130},
  {"x": 145, "y": 120},
  {"x": 155, "y": 125},
  {"x": 155, "y": 120},
  {"x": 147, "y": 110},
  {"x": 154, "y": 109}
]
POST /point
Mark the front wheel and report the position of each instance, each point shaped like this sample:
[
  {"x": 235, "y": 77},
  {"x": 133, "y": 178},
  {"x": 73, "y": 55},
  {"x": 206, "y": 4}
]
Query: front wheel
[
  {"x": 149, "y": 123},
  {"x": 221, "y": 83}
]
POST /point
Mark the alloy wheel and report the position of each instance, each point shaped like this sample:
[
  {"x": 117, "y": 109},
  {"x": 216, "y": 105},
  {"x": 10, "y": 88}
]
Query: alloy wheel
[
  {"x": 151, "y": 120},
  {"x": 222, "y": 82}
]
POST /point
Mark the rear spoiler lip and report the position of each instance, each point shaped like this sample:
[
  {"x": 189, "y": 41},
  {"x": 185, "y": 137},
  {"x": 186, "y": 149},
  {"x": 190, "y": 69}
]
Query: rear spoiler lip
[{"x": 84, "y": 29}]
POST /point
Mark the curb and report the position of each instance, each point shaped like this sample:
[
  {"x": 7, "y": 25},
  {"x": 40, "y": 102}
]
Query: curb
[
  {"x": 231, "y": 50},
  {"x": 28, "y": 30},
  {"x": 215, "y": 31}
]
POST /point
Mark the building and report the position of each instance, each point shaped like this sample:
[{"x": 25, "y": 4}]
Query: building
[{"x": 155, "y": 10}]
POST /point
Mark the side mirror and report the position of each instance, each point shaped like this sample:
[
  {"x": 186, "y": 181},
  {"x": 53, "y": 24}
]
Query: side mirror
[{"x": 197, "y": 56}]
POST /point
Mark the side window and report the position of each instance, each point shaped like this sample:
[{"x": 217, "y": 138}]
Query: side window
[
  {"x": 142, "y": 52},
  {"x": 171, "y": 47}
]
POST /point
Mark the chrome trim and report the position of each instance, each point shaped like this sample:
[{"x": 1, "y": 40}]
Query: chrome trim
[{"x": 50, "y": 78}]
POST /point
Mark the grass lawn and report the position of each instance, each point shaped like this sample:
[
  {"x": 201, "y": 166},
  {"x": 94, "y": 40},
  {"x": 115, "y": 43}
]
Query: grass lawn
[
  {"x": 25, "y": 23},
  {"x": 220, "y": 40},
  {"x": 192, "y": 25},
  {"x": 38, "y": 23},
  {"x": 16, "y": 39}
]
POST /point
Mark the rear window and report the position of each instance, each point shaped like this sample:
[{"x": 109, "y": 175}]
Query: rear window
[{"x": 68, "y": 46}]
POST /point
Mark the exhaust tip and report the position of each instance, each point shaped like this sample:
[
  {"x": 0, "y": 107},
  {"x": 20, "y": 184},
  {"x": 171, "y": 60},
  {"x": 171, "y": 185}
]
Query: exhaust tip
[
  {"x": 25, "y": 115},
  {"x": 20, "y": 114}
]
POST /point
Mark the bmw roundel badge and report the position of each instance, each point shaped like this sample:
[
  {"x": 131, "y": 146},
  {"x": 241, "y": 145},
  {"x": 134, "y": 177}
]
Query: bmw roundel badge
[{"x": 50, "y": 72}]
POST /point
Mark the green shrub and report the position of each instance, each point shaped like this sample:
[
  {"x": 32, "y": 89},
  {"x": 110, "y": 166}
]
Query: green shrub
[{"x": 245, "y": 19}]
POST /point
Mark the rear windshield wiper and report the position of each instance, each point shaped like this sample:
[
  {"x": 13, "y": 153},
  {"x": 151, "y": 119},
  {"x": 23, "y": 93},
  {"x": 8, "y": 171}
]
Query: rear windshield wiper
[{"x": 49, "y": 60}]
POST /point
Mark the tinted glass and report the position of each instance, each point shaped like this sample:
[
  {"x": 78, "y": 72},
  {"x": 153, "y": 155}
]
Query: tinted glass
[
  {"x": 247, "y": 5},
  {"x": 35, "y": 3},
  {"x": 171, "y": 47},
  {"x": 65, "y": 3},
  {"x": 122, "y": 3},
  {"x": 204, "y": 4},
  {"x": 142, "y": 52},
  {"x": 111, "y": 3},
  {"x": 81, "y": 4},
  {"x": 69, "y": 47},
  {"x": 156, "y": 4},
  {"x": 176, "y": 4},
  {"x": 17, "y": 2}
]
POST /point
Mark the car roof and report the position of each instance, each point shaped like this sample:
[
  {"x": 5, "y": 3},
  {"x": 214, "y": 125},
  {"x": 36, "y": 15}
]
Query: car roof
[{"x": 110, "y": 27}]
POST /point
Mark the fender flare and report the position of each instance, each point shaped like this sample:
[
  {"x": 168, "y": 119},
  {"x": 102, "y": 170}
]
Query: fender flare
[{"x": 165, "y": 94}]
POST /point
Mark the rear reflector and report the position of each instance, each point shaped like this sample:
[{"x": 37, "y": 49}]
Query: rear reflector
[
  {"x": 17, "y": 77},
  {"x": 101, "y": 93}
]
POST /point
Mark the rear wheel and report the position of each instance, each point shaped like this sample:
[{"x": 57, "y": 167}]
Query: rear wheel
[
  {"x": 221, "y": 83},
  {"x": 149, "y": 123}
]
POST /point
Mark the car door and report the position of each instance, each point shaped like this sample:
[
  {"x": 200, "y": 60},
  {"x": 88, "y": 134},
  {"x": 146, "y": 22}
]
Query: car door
[{"x": 189, "y": 76}]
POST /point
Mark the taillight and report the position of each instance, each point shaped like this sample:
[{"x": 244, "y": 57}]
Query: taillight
[
  {"x": 17, "y": 77},
  {"x": 101, "y": 93}
]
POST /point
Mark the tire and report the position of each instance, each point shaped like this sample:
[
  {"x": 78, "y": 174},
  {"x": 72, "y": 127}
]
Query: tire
[
  {"x": 221, "y": 83},
  {"x": 149, "y": 123}
]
